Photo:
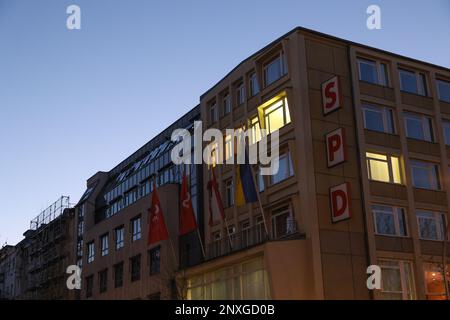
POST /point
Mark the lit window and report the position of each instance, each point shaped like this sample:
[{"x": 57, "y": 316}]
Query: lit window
[
  {"x": 384, "y": 168},
  {"x": 276, "y": 115},
  {"x": 136, "y": 228},
  {"x": 397, "y": 280},
  {"x": 413, "y": 82},
  {"x": 425, "y": 175},
  {"x": 285, "y": 171},
  {"x": 418, "y": 127},
  {"x": 228, "y": 146},
  {"x": 254, "y": 87},
  {"x": 373, "y": 72},
  {"x": 444, "y": 90},
  {"x": 255, "y": 130},
  {"x": 104, "y": 244},
  {"x": 240, "y": 94},
  {"x": 274, "y": 69},
  {"x": 446, "y": 127},
  {"x": 120, "y": 237},
  {"x": 434, "y": 281},
  {"x": 431, "y": 225},
  {"x": 90, "y": 252},
  {"x": 226, "y": 104},
  {"x": 378, "y": 119},
  {"x": 214, "y": 113},
  {"x": 389, "y": 220}
]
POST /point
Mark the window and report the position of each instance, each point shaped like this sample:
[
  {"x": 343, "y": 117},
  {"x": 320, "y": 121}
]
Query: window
[
  {"x": 80, "y": 248},
  {"x": 255, "y": 130},
  {"x": 214, "y": 113},
  {"x": 282, "y": 223},
  {"x": 431, "y": 225},
  {"x": 240, "y": 94},
  {"x": 136, "y": 228},
  {"x": 260, "y": 180},
  {"x": 155, "y": 260},
  {"x": 260, "y": 234},
  {"x": 389, "y": 220},
  {"x": 285, "y": 170},
  {"x": 425, "y": 175},
  {"x": 254, "y": 86},
  {"x": 276, "y": 115},
  {"x": 91, "y": 252},
  {"x": 118, "y": 275},
  {"x": 434, "y": 281},
  {"x": 228, "y": 146},
  {"x": 104, "y": 244},
  {"x": 103, "y": 280},
  {"x": 245, "y": 231},
  {"x": 80, "y": 228},
  {"x": 384, "y": 168},
  {"x": 443, "y": 90},
  {"x": 397, "y": 280},
  {"x": 226, "y": 104},
  {"x": 120, "y": 237},
  {"x": 216, "y": 248},
  {"x": 413, "y": 82},
  {"x": 418, "y": 127},
  {"x": 378, "y": 118},
  {"x": 229, "y": 193},
  {"x": 373, "y": 72},
  {"x": 135, "y": 268},
  {"x": 274, "y": 69},
  {"x": 446, "y": 126},
  {"x": 89, "y": 286}
]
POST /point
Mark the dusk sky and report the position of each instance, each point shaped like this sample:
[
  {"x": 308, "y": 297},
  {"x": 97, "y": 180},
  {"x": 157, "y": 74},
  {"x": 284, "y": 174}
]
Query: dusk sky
[{"x": 74, "y": 102}]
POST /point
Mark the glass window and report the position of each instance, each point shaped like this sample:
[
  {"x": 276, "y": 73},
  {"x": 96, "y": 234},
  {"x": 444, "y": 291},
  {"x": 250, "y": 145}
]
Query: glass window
[
  {"x": 240, "y": 94},
  {"x": 135, "y": 268},
  {"x": 384, "y": 168},
  {"x": 285, "y": 171},
  {"x": 413, "y": 82},
  {"x": 446, "y": 127},
  {"x": 373, "y": 72},
  {"x": 282, "y": 223},
  {"x": 397, "y": 280},
  {"x": 103, "y": 280},
  {"x": 120, "y": 237},
  {"x": 274, "y": 69},
  {"x": 418, "y": 127},
  {"x": 155, "y": 260},
  {"x": 118, "y": 275},
  {"x": 254, "y": 86},
  {"x": 104, "y": 244},
  {"x": 260, "y": 180},
  {"x": 431, "y": 225},
  {"x": 136, "y": 228},
  {"x": 434, "y": 280},
  {"x": 425, "y": 175},
  {"x": 229, "y": 193},
  {"x": 226, "y": 104},
  {"x": 228, "y": 146},
  {"x": 378, "y": 119},
  {"x": 276, "y": 115},
  {"x": 443, "y": 90},
  {"x": 90, "y": 252},
  {"x": 389, "y": 220},
  {"x": 255, "y": 130},
  {"x": 89, "y": 286},
  {"x": 214, "y": 113}
]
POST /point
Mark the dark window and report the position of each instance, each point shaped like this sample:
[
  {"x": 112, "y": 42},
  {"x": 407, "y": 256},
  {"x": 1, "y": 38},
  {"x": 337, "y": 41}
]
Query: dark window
[
  {"x": 135, "y": 268},
  {"x": 103, "y": 280},
  {"x": 155, "y": 259},
  {"x": 444, "y": 90},
  {"x": 274, "y": 69},
  {"x": 118, "y": 275},
  {"x": 89, "y": 286},
  {"x": 136, "y": 228}
]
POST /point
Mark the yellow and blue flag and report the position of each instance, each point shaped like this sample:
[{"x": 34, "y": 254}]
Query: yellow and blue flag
[{"x": 245, "y": 185}]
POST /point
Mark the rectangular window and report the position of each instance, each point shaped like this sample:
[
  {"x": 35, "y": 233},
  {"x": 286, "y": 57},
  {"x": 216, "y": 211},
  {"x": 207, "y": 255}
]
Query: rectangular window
[
  {"x": 418, "y": 127},
  {"x": 397, "y": 280},
  {"x": 229, "y": 193},
  {"x": 228, "y": 146},
  {"x": 431, "y": 225},
  {"x": 104, "y": 244},
  {"x": 260, "y": 180},
  {"x": 276, "y": 115},
  {"x": 425, "y": 175},
  {"x": 413, "y": 82},
  {"x": 226, "y": 104},
  {"x": 120, "y": 237},
  {"x": 246, "y": 235},
  {"x": 443, "y": 90},
  {"x": 446, "y": 127},
  {"x": 274, "y": 69},
  {"x": 384, "y": 168},
  {"x": 90, "y": 252},
  {"x": 214, "y": 113},
  {"x": 285, "y": 171},
  {"x": 135, "y": 268},
  {"x": 282, "y": 223},
  {"x": 254, "y": 86},
  {"x": 240, "y": 94},
  {"x": 389, "y": 220},
  {"x": 434, "y": 281},
  {"x": 378, "y": 119},
  {"x": 89, "y": 286},
  {"x": 136, "y": 228},
  {"x": 255, "y": 130},
  {"x": 118, "y": 275},
  {"x": 103, "y": 281},
  {"x": 373, "y": 72},
  {"x": 155, "y": 260}
]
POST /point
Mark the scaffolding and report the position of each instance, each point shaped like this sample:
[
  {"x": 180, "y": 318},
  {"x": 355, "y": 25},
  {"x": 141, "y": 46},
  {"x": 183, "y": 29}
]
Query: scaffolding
[{"x": 51, "y": 213}]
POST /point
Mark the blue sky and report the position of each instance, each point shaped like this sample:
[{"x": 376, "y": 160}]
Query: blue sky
[{"x": 76, "y": 102}]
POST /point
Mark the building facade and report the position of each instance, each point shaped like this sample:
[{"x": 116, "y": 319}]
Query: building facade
[{"x": 363, "y": 179}]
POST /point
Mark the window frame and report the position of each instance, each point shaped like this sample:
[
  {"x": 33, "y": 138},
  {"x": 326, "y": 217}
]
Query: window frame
[
  {"x": 226, "y": 104},
  {"x": 136, "y": 235},
  {"x": 90, "y": 253},
  {"x": 118, "y": 281},
  {"x": 119, "y": 243},
  {"x": 414, "y": 163},
  {"x": 229, "y": 192},
  {"x": 289, "y": 167},
  {"x": 444, "y": 83},
  {"x": 154, "y": 269},
  {"x": 281, "y": 57},
  {"x": 403, "y": 278},
  {"x": 254, "y": 84},
  {"x": 421, "y": 81},
  {"x": 390, "y": 167},
  {"x": 385, "y": 112},
  {"x": 271, "y": 108},
  {"x": 378, "y": 70},
  {"x": 104, "y": 244},
  {"x": 426, "y": 123},
  {"x": 395, "y": 213},
  {"x": 439, "y": 219}
]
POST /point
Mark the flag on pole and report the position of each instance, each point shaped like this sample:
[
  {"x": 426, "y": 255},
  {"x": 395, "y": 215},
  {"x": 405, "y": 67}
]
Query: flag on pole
[
  {"x": 215, "y": 200},
  {"x": 187, "y": 216},
  {"x": 245, "y": 185},
  {"x": 157, "y": 230}
]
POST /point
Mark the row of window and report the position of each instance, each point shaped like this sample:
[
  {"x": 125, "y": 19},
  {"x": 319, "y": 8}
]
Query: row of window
[
  {"x": 417, "y": 126},
  {"x": 273, "y": 70},
  {"x": 387, "y": 168},
  {"x": 411, "y": 81},
  {"x": 392, "y": 221},
  {"x": 154, "y": 263},
  {"x": 397, "y": 280}
]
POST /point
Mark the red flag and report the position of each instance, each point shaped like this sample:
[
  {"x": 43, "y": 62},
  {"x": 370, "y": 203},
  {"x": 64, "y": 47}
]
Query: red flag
[
  {"x": 157, "y": 230},
  {"x": 215, "y": 200},
  {"x": 187, "y": 216}
]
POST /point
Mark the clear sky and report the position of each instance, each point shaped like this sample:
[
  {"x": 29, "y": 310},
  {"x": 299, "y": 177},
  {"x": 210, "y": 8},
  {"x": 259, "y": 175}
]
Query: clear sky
[{"x": 76, "y": 102}]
